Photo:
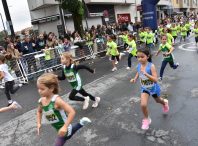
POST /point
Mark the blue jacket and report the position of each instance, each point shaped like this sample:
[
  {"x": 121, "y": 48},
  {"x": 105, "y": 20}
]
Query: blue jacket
[
  {"x": 30, "y": 48},
  {"x": 40, "y": 44}
]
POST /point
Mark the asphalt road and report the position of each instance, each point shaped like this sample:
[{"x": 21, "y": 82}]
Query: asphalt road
[{"x": 118, "y": 119}]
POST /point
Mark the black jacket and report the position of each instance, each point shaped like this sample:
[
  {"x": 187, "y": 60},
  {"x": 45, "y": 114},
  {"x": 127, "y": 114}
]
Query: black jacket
[
  {"x": 5, "y": 46},
  {"x": 109, "y": 32}
]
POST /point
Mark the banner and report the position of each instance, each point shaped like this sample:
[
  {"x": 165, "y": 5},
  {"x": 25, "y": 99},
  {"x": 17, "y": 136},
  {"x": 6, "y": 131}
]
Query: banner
[{"x": 149, "y": 13}]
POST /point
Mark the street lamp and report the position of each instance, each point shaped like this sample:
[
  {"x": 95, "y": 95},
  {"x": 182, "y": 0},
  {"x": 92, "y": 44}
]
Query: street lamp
[{"x": 3, "y": 25}]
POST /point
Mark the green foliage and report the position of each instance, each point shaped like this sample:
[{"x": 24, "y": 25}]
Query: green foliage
[
  {"x": 31, "y": 31},
  {"x": 2, "y": 33}
]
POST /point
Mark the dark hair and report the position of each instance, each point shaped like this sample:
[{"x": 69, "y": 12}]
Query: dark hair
[
  {"x": 5, "y": 57},
  {"x": 163, "y": 36},
  {"x": 17, "y": 37},
  {"x": 132, "y": 36},
  {"x": 90, "y": 32},
  {"x": 146, "y": 52},
  {"x": 6, "y": 37},
  {"x": 169, "y": 30},
  {"x": 113, "y": 37}
]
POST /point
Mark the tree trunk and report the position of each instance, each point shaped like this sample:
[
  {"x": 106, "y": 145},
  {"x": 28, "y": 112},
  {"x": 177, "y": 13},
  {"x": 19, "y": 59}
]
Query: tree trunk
[{"x": 77, "y": 18}]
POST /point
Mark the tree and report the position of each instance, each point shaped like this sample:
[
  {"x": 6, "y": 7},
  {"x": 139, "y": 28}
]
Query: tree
[
  {"x": 75, "y": 7},
  {"x": 31, "y": 31},
  {"x": 2, "y": 33}
]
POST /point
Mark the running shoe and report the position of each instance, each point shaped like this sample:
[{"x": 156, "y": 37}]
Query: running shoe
[
  {"x": 128, "y": 68},
  {"x": 20, "y": 85},
  {"x": 116, "y": 62},
  {"x": 184, "y": 40},
  {"x": 1, "y": 86},
  {"x": 86, "y": 103},
  {"x": 145, "y": 124},
  {"x": 84, "y": 121},
  {"x": 165, "y": 107},
  {"x": 15, "y": 105},
  {"x": 177, "y": 65},
  {"x": 160, "y": 79},
  {"x": 38, "y": 74},
  {"x": 95, "y": 103},
  {"x": 31, "y": 76},
  {"x": 114, "y": 69}
]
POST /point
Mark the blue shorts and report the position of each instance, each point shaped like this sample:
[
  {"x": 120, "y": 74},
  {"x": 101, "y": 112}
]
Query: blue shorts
[{"x": 154, "y": 95}]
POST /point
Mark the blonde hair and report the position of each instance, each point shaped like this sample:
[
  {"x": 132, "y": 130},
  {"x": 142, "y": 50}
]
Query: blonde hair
[
  {"x": 67, "y": 55},
  {"x": 9, "y": 48},
  {"x": 49, "y": 80},
  {"x": 23, "y": 31}
]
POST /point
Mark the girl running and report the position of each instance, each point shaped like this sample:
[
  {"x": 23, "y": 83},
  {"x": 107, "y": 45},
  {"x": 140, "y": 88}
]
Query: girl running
[
  {"x": 148, "y": 80},
  {"x": 178, "y": 29},
  {"x": 174, "y": 32},
  {"x": 161, "y": 29},
  {"x": 114, "y": 52},
  {"x": 55, "y": 109},
  {"x": 13, "y": 106},
  {"x": 187, "y": 25},
  {"x": 132, "y": 49},
  {"x": 168, "y": 57},
  {"x": 149, "y": 38},
  {"x": 9, "y": 80},
  {"x": 196, "y": 34},
  {"x": 167, "y": 31},
  {"x": 141, "y": 34},
  {"x": 125, "y": 38},
  {"x": 183, "y": 33},
  {"x": 70, "y": 71}
]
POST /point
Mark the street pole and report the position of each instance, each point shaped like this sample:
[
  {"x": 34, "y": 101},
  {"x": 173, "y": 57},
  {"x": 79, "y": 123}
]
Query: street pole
[
  {"x": 136, "y": 11},
  {"x": 3, "y": 25},
  {"x": 62, "y": 20},
  {"x": 8, "y": 18}
]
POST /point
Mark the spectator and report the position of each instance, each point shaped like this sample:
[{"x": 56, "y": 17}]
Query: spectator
[
  {"x": 17, "y": 44},
  {"x": 119, "y": 29},
  {"x": 45, "y": 35},
  {"x": 23, "y": 34},
  {"x": 7, "y": 41},
  {"x": 93, "y": 27},
  {"x": 68, "y": 34},
  {"x": 27, "y": 48},
  {"x": 86, "y": 29},
  {"x": 138, "y": 25},
  {"x": 33, "y": 40},
  {"x": 109, "y": 31},
  {"x": 40, "y": 43},
  {"x": 135, "y": 27},
  {"x": 51, "y": 43},
  {"x": 103, "y": 31},
  {"x": 124, "y": 27},
  {"x": 130, "y": 27},
  {"x": 98, "y": 32}
]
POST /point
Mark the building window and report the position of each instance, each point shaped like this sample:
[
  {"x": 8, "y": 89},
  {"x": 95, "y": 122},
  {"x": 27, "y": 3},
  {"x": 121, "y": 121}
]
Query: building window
[
  {"x": 187, "y": 2},
  {"x": 184, "y": 1},
  {"x": 177, "y": 2}
]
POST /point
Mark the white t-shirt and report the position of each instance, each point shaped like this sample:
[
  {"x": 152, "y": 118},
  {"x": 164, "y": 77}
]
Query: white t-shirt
[{"x": 7, "y": 76}]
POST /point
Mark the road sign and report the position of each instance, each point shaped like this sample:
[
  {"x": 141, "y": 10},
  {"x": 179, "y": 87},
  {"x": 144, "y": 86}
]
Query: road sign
[
  {"x": 139, "y": 8},
  {"x": 105, "y": 14},
  {"x": 8, "y": 27}
]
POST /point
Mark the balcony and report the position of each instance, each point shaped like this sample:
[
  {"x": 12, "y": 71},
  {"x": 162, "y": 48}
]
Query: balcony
[
  {"x": 39, "y": 4},
  {"x": 164, "y": 3},
  {"x": 109, "y": 1},
  {"x": 193, "y": 4}
]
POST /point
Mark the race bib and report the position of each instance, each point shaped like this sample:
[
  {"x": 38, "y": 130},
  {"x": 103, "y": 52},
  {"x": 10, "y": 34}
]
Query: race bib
[
  {"x": 51, "y": 117},
  {"x": 71, "y": 77},
  {"x": 196, "y": 33},
  {"x": 146, "y": 82},
  {"x": 183, "y": 30},
  {"x": 166, "y": 56},
  {"x": 174, "y": 30},
  {"x": 111, "y": 48},
  {"x": 148, "y": 37}
]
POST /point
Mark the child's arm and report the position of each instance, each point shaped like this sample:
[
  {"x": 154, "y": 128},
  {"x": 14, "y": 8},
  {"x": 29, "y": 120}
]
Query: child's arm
[
  {"x": 60, "y": 104},
  {"x": 171, "y": 50},
  {"x": 152, "y": 77},
  {"x": 116, "y": 51},
  {"x": 134, "y": 80},
  {"x": 2, "y": 75},
  {"x": 157, "y": 52},
  {"x": 39, "y": 116},
  {"x": 78, "y": 67},
  {"x": 61, "y": 77}
]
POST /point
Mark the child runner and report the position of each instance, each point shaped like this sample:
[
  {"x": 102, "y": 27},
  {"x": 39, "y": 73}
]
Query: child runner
[
  {"x": 14, "y": 106},
  {"x": 125, "y": 38},
  {"x": 47, "y": 59},
  {"x": 161, "y": 29},
  {"x": 196, "y": 34},
  {"x": 149, "y": 38},
  {"x": 187, "y": 25},
  {"x": 114, "y": 52},
  {"x": 167, "y": 50},
  {"x": 55, "y": 110},
  {"x": 132, "y": 49},
  {"x": 142, "y": 35},
  {"x": 67, "y": 44},
  {"x": 70, "y": 71},
  {"x": 174, "y": 32},
  {"x": 183, "y": 33},
  {"x": 167, "y": 31},
  {"x": 178, "y": 29},
  {"x": 148, "y": 80},
  {"x": 9, "y": 80}
]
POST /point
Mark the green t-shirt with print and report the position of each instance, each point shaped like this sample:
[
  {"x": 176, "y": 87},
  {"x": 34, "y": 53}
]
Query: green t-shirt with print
[
  {"x": 169, "y": 38},
  {"x": 47, "y": 54},
  {"x": 196, "y": 32},
  {"x": 125, "y": 37},
  {"x": 183, "y": 31},
  {"x": 149, "y": 38},
  {"x": 142, "y": 37},
  {"x": 174, "y": 31},
  {"x": 178, "y": 28},
  {"x": 131, "y": 45},
  {"x": 160, "y": 30},
  {"x": 112, "y": 46},
  {"x": 165, "y": 49},
  {"x": 187, "y": 26}
]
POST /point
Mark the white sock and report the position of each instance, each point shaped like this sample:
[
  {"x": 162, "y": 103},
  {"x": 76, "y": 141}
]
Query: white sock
[{"x": 10, "y": 101}]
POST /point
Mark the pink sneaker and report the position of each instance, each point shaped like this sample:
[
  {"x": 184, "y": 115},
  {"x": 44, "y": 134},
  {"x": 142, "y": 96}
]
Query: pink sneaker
[
  {"x": 165, "y": 107},
  {"x": 145, "y": 124}
]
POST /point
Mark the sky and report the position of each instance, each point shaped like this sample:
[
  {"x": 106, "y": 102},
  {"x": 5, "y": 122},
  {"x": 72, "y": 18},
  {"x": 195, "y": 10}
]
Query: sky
[{"x": 19, "y": 12}]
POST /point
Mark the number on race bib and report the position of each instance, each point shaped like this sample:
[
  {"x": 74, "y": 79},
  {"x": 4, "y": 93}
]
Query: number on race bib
[
  {"x": 146, "y": 82},
  {"x": 166, "y": 56},
  {"x": 71, "y": 77},
  {"x": 51, "y": 117}
]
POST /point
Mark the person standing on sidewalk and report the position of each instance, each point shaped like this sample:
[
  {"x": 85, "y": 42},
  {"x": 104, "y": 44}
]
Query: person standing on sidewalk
[
  {"x": 40, "y": 46},
  {"x": 149, "y": 86},
  {"x": 9, "y": 80},
  {"x": 70, "y": 72}
]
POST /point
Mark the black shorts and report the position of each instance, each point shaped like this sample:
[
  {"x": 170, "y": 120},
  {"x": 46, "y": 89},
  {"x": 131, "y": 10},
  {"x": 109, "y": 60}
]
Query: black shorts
[
  {"x": 113, "y": 57},
  {"x": 154, "y": 95}
]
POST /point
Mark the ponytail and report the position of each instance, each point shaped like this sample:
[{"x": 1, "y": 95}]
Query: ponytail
[{"x": 5, "y": 57}]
